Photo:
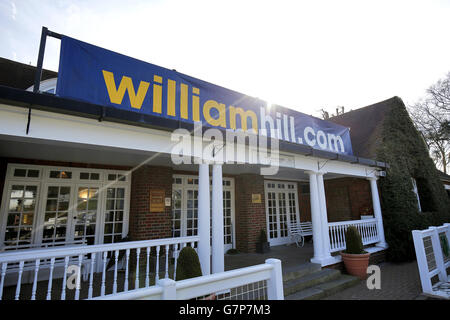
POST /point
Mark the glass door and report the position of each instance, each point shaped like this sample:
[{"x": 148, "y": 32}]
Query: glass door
[
  {"x": 21, "y": 206},
  {"x": 85, "y": 215},
  {"x": 114, "y": 214},
  {"x": 191, "y": 196},
  {"x": 227, "y": 219},
  {"x": 281, "y": 209},
  {"x": 185, "y": 208},
  {"x": 56, "y": 213}
]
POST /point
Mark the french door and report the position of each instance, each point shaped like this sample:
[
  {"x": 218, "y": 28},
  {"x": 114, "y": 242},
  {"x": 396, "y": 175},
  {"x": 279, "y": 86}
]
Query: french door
[
  {"x": 281, "y": 209},
  {"x": 20, "y": 210},
  {"x": 50, "y": 205},
  {"x": 185, "y": 208},
  {"x": 70, "y": 212}
]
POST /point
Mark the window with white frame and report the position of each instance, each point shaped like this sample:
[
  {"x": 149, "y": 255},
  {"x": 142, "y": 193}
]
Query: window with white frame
[
  {"x": 44, "y": 204},
  {"x": 185, "y": 207},
  {"x": 416, "y": 192}
]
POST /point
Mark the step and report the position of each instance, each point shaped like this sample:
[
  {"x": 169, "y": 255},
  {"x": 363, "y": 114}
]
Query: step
[
  {"x": 326, "y": 289},
  {"x": 310, "y": 280},
  {"x": 297, "y": 271}
]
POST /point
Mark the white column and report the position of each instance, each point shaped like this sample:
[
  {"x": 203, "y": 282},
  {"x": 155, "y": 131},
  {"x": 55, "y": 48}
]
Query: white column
[
  {"x": 169, "y": 289},
  {"x": 377, "y": 212},
  {"x": 275, "y": 290},
  {"x": 324, "y": 219},
  {"x": 316, "y": 218},
  {"x": 203, "y": 219},
  {"x": 217, "y": 220}
]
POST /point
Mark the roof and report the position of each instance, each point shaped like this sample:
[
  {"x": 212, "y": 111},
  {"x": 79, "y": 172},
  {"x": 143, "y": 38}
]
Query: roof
[
  {"x": 366, "y": 125},
  {"x": 443, "y": 176},
  {"x": 19, "y": 75}
]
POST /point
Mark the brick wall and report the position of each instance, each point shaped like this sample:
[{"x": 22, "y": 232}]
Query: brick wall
[
  {"x": 250, "y": 217},
  {"x": 346, "y": 199},
  {"x": 304, "y": 201},
  {"x": 144, "y": 224}
]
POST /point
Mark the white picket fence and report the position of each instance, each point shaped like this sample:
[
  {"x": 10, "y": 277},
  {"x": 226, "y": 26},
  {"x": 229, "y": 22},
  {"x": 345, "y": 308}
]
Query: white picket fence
[
  {"x": 433, "y": 260},
  {"x": 368, "y": 228},
  {"x": 52, "y": 265},
  {"x": 259, "y": 282}
]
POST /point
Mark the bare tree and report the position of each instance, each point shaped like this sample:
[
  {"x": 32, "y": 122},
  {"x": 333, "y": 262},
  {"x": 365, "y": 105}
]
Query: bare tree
[{"x": 431, "y": 116}]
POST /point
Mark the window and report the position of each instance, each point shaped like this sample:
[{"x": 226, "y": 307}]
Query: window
[
  {"x": 54, "y": 174},
  {"x": 416, "y": 192},
  {"x": 28, "y": 173},
  {"x": 20, "y": 215},
  {"x": 115, "y": 204},
  {"x": 45, "y": 204},
  {"x": 118, "y": 177},
  {"x": 90, "y": 176}
]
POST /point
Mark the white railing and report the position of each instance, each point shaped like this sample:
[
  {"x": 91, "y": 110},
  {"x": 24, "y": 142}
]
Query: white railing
[
  {"x": 368, "y": 228},
  {"x": 146, "y": 261},
  {"x": 433, "y": 259},
  {"x": 258, "y": 282}
]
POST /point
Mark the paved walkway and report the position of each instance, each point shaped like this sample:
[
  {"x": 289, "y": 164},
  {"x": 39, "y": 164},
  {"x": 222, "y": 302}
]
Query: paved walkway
[{"x": 399, "y": 281}]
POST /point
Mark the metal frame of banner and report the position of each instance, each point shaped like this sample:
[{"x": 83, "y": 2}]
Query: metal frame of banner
[{"x": 40, "y": 62}]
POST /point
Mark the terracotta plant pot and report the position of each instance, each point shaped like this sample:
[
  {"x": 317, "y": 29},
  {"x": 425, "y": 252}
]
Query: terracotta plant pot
[{"x": 356, "y": 264}]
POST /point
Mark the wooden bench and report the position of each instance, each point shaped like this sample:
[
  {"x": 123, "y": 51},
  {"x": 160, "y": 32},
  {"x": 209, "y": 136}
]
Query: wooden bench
[
  {"x": 299, "y": 230},
  {"x": 433, "y": 260},
  {"x": 30, "y": 264}
]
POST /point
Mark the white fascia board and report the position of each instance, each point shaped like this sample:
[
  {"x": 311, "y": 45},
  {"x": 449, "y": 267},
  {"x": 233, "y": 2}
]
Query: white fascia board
[{"x": 67, "y": 128}]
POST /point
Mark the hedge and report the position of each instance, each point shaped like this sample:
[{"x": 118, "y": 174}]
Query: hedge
[{"x": 404, "y": 150}]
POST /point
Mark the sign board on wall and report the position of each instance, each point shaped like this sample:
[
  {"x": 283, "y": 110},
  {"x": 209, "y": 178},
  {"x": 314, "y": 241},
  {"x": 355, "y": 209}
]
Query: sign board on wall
[
  {"x": 93, "y": 74},
  {"x": 256, "y": 198},
  {"x": 157, "y": 203}
]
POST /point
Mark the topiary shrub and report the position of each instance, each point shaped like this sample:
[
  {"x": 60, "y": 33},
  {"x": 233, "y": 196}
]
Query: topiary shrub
[
  {"x": 188, "y": 264},
  {"x": 262, "y": 236},
  {"x": 353, "y": 241},
  {"x": 232, "y": 251}
]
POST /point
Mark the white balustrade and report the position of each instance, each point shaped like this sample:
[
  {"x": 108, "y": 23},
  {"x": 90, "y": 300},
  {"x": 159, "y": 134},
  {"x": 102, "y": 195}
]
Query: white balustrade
[
  {"x": 238, "y": 283},
  {"x": 433, "y": 260},
  {"x": 368, "y": 228},
  {"x": 21, "y": 267}
]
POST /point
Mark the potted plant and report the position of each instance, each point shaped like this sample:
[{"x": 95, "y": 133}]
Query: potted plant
[
  {"x": 262, "y": 246},
  {"x": 188, "y": 266},
  {"x": 356, "y": 259}
]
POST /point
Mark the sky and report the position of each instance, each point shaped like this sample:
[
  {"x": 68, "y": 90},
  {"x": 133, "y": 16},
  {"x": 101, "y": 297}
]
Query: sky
[{"x": 303, "y": 55}]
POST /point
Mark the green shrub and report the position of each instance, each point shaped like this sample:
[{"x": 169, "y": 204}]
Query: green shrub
[
  {"x": 232, "y": 251},
  {"x": 262, "y": 236},
  {"x": 353, "y": 241},
  {"x": 188, "y": 264},
  {"x": 403, "y": 148},
  {"x": 398, "y": 232}
]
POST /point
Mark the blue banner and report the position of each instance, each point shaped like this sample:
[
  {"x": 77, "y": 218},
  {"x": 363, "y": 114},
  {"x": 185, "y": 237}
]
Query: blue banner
[{"x": 93, "y": 74}]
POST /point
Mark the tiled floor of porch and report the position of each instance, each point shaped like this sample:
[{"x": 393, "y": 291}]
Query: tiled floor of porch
[{"x": 290, "y": 256}]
